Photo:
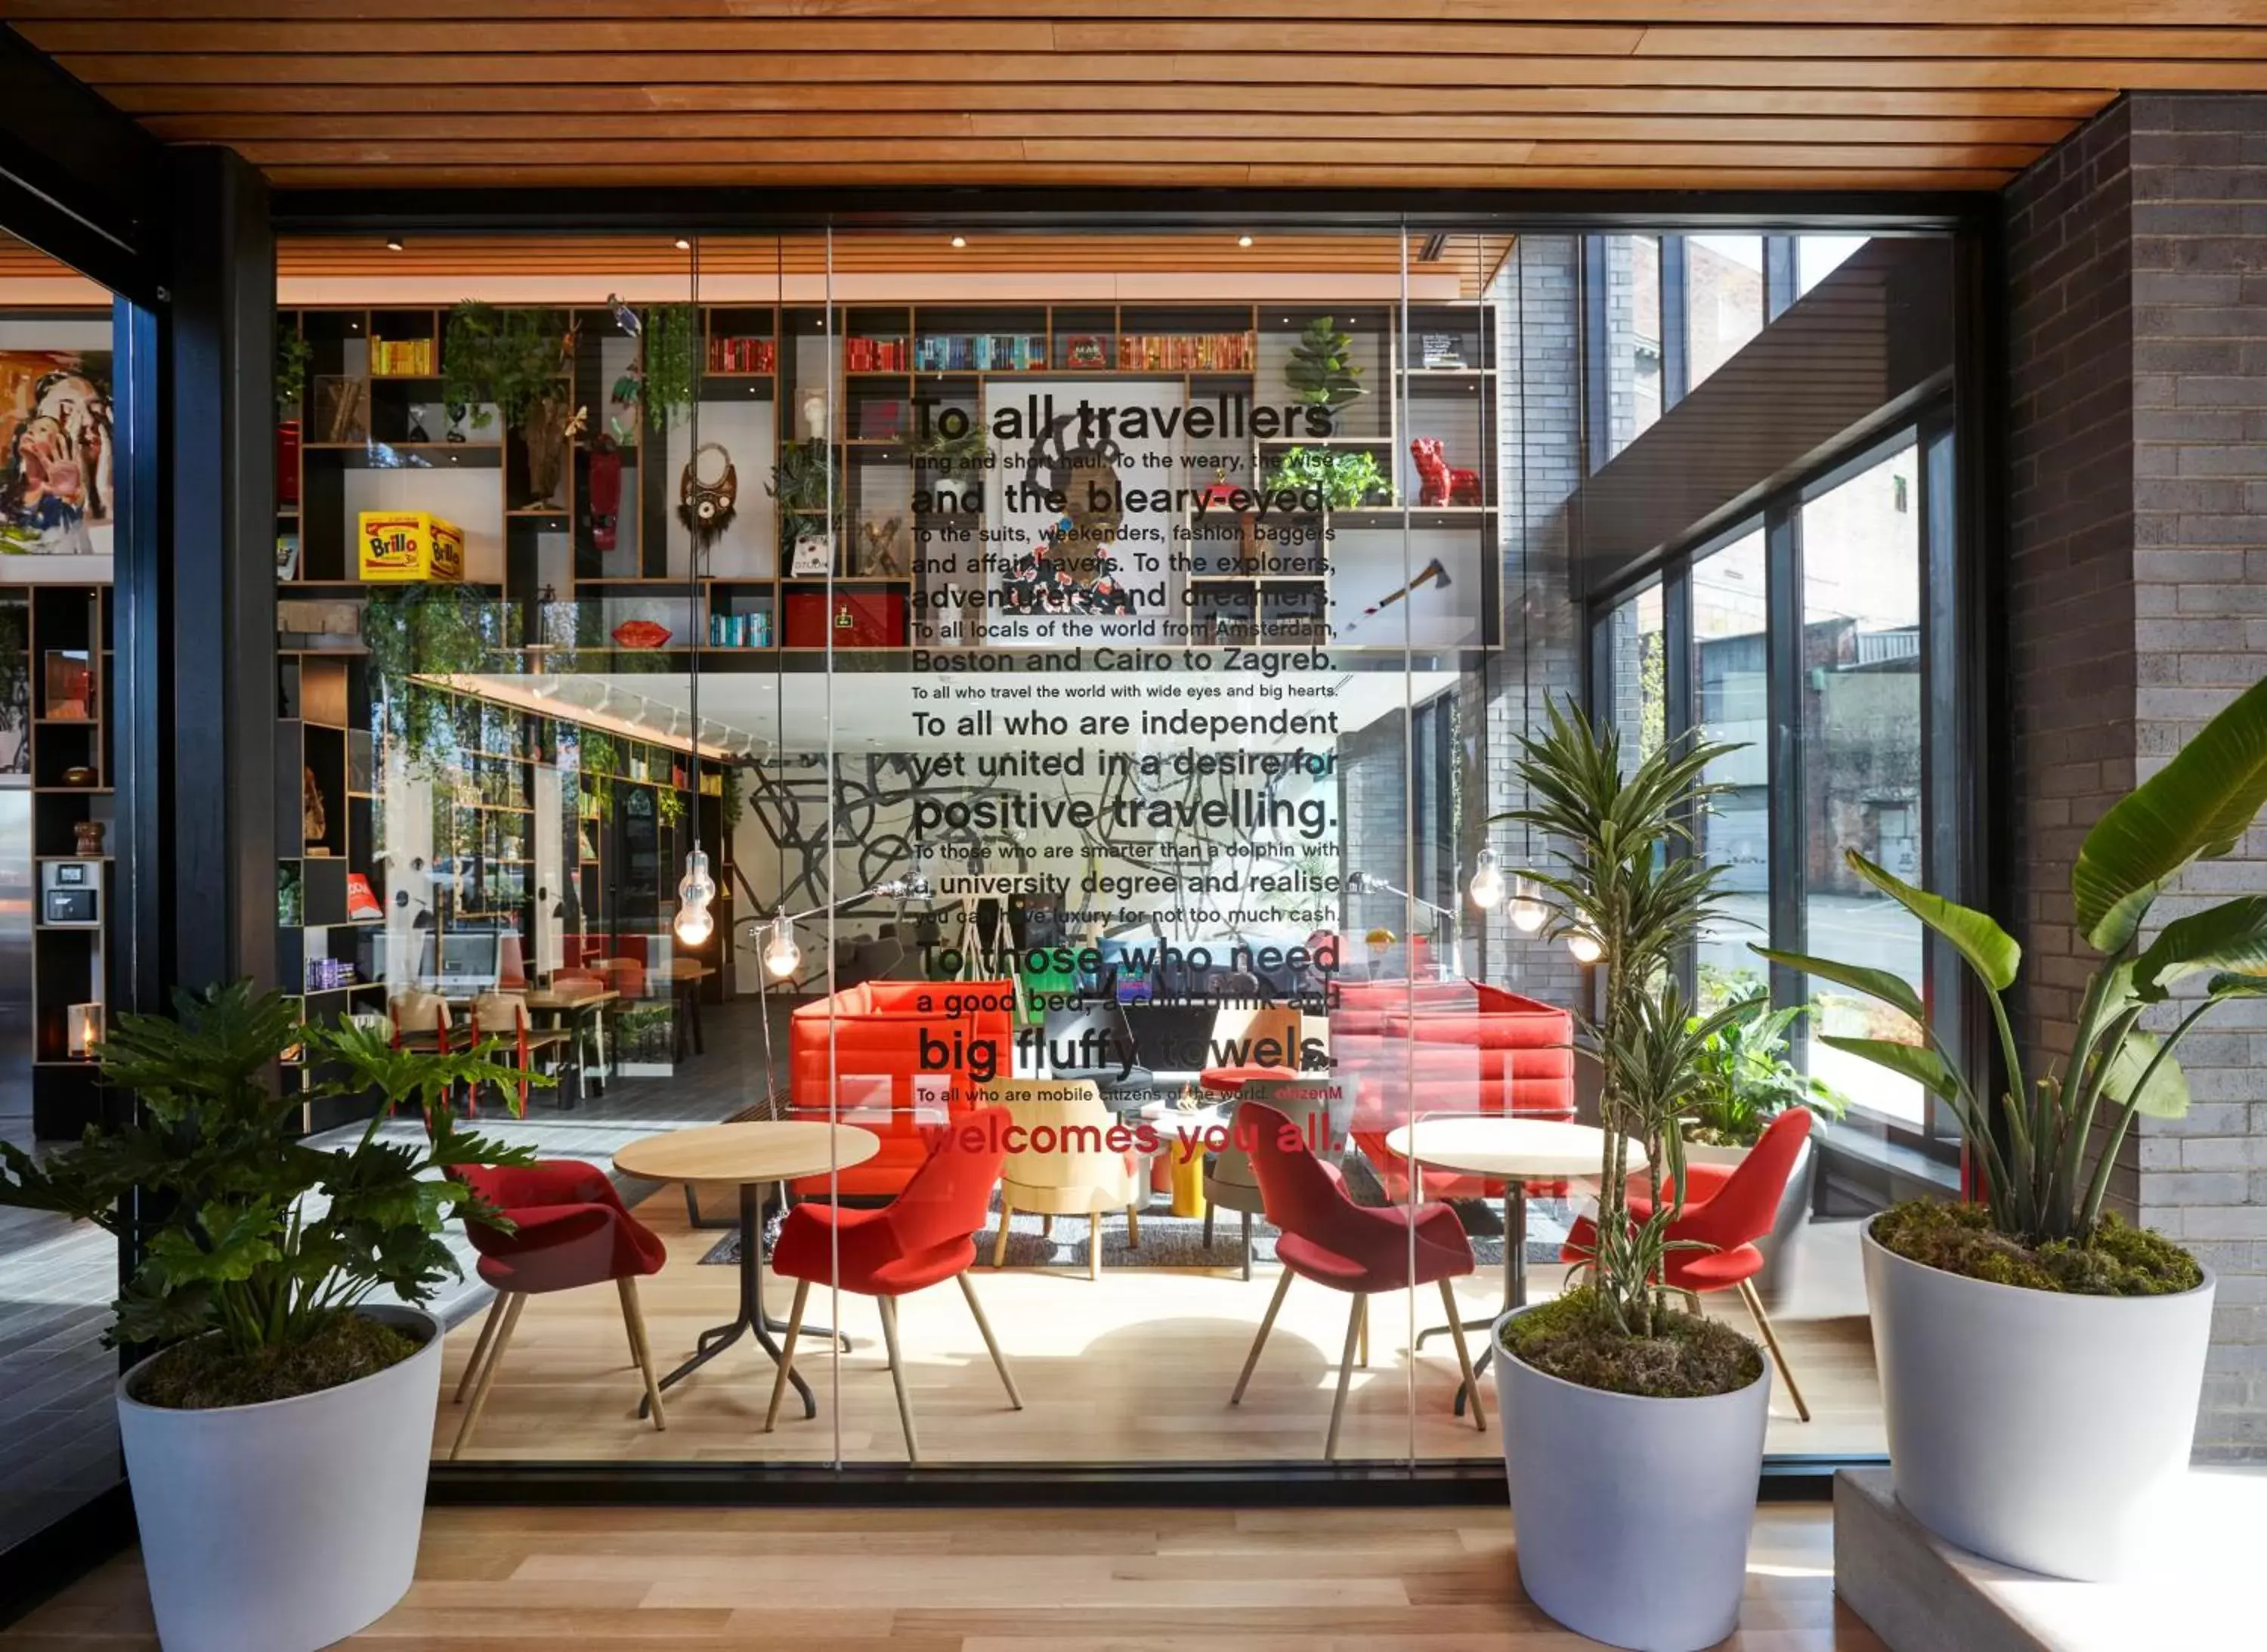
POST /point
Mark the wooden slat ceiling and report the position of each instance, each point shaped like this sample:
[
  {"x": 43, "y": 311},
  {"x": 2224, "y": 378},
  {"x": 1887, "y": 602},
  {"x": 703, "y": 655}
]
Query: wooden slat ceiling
[{"x": 1162, "y": 94}]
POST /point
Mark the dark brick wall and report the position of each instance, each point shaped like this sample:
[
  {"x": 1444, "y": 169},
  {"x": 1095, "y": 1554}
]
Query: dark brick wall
[{"x": 2137, "y": 608}]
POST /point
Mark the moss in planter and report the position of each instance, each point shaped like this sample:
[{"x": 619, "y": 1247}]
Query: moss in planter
[
  {"x": 202, "y": 1375},
  {"x": 2120, "y": 1260},
  {"x": 1690, "y": 1357}
]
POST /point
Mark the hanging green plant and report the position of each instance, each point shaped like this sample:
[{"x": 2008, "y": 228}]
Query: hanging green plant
[
  {"x": 423, "y": 630},
  {"x": 292, "y": 355},
  {"x": 1320, "y": 369},
  {"x": 598, "y": 760},
  {"x": 732, "y": 804},
  {"x": 512, "y": 359},
  {"x": 669, "y": 803}
]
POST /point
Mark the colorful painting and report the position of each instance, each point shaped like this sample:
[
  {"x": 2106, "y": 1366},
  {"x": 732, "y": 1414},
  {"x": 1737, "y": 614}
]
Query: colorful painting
[{"x": 58, "y": 473}]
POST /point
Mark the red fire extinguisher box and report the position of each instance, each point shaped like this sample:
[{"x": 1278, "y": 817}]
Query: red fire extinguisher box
[{"x": 851, "y": 619}]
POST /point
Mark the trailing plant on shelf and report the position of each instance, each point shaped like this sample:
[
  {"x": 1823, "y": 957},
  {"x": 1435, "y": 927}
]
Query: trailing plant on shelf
[
  {"x": 1320, "y": 369},
  {"x": 803, "y": 483},
  {"x": 1745, "y": 1079},
  {"x": 668, "y": 804},
  {"x": 292, "y": 355},
  {"x": 2047, "y": 1149},
  {"x": 661, "y": 381},
  {"x": 264, "y": 1243},
  {"x": 1344, "y": 480},
  {"x": 1620, "y": 873},
  {"x": 512, "y": 358},
  {"x": 414, "y": 631}
]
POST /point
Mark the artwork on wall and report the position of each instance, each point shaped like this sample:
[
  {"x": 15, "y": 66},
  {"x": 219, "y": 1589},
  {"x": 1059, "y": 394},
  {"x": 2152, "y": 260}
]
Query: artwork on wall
[{"x": 56, "y": 483}]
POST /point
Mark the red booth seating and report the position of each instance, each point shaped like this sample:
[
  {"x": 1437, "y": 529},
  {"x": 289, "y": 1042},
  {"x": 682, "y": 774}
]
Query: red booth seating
[
  {"x": 868, "y": 1038},
  {"x": 1449, "y": 1047}
]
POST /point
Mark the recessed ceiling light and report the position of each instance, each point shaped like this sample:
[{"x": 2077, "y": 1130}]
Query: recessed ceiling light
[
  {"x": 1243, "y": 240},
  {"x": 393, "y": 243},
  {"x": 960, "y": 240},
  {"x": 684, "y": 246}
]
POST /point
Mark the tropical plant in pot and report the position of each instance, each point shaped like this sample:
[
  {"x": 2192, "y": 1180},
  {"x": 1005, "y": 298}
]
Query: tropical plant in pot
[
  {"x": 277, "y": 1448},
  {"x": 1632, "y": 1433},
  {"x": 2000, "y": 1327}
]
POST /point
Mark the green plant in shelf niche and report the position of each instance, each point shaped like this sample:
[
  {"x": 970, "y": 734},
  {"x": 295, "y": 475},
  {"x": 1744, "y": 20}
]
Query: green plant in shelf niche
[
  {"x": 424, "y": 630},
  {"x": 661, "y": 382},
  {"x": 732, "y": 805},
  {"x": 668, "y": 804},
  {"x": 1344, "y": 480},
  {"x": 803, "y": 482},
  {"x": 1320, "y": 369},
  {"x": 292, "y": 355},
  {"x": 510, "y": 357},
  {"x": 598, "y": 760},
  {"x": 942, "y": 455}
]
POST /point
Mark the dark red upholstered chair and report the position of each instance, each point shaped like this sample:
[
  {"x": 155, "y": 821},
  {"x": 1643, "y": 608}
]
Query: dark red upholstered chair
[
  {"x": 1324, "y": 1237},
  {"x": 922, "y": 1238},
  {"x": 571, "y": 1229},
  {"x": 1727, "y": 1212}
]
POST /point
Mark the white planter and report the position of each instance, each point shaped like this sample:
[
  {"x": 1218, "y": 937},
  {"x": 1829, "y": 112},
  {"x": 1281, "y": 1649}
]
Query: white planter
[
  {"x": 286, "y": 1526},
  {"x": 2030, "y": 1426},
  {"x": 1632, "y": 1514}
]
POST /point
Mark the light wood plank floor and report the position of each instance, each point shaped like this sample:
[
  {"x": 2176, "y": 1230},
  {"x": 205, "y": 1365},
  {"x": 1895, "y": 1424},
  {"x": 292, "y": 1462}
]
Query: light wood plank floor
[
  {"x": 1135, "y": 1368},
  {"x": 965, "y": 1580}
]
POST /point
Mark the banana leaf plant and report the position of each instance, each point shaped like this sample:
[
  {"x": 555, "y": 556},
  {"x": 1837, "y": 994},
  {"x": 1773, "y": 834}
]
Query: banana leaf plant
[
  {"x": 2032, "y": 1150},
  {"x": 1620, "y": 873}
]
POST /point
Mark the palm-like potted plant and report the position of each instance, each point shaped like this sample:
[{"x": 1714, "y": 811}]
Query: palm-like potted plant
[
  {"x": 2042, "y": 1362},
  {"x": 277, "y": 1446},
  {"x": 1632, "y": 1433}
]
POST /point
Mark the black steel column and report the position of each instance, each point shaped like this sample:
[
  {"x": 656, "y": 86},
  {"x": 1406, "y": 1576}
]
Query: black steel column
[{"x": 217, "y": 603}]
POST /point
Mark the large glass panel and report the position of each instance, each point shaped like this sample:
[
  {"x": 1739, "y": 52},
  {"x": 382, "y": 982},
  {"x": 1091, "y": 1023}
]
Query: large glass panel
[
  {"x": 1723, "y": 299},
  {"x": 1730, "y": 706},
  {"x": 1862, "y": 757},
  {"x": 59, "y": 508}
]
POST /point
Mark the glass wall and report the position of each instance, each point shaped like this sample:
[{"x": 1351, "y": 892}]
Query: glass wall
[{"x": 1090, "y": 669}]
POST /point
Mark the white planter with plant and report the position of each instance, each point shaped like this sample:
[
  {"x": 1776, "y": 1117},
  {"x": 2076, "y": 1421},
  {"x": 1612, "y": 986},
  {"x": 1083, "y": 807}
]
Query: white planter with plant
[
  {"x": 2042, "y": 1362},
  {"x": 276, "y": 1449},
  {"x": 1632, "y": 1433}
]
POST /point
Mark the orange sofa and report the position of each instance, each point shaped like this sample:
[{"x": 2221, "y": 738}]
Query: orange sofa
[
  {"x": 1448, "y": 1046},
  {"x": 901, "y": 1059}
]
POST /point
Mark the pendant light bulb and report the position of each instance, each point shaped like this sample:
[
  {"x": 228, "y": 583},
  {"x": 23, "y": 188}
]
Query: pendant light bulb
[
  {"x": 694, "y": 891},
  {"x": 782, "y": 955},
  {"x": 1528, "y": 914},
  {"x": 1487, "y": 881},
  {"x": 1585, "y": 946}
]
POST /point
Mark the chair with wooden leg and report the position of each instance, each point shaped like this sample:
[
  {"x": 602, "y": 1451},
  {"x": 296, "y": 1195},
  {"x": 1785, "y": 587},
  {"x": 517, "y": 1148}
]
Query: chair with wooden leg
[
  {"x": 1725, "y": 1213},
  {"x": 1326, "y": 1237},
  {"x": 922, "y": 1238},
  {"x": 1062, "y": 1165},
  {"x": 569, "y": 1229},
  {"x": 1229, "y": 1182}
]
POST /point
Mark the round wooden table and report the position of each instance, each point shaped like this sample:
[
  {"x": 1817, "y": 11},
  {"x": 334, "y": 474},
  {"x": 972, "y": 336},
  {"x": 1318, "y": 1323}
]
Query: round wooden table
[
  {"x": 1515, "y": 1151},
  {"x": 748, "y": 1157}
]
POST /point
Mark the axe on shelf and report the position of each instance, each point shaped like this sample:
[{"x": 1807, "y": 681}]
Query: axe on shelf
[{"x": 1435, "y": 572}]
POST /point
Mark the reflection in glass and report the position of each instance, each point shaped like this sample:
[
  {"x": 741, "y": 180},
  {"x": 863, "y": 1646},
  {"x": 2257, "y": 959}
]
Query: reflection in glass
[
  {"x": 1861, "y": 757},
  {"x": 1637, "y": 671},
  {"x": 1730, "y": 706},
  {"x": 1723, "y": 299}
]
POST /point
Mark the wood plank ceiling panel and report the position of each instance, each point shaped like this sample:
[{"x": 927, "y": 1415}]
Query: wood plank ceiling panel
[{"x": 1869, "y": 94}]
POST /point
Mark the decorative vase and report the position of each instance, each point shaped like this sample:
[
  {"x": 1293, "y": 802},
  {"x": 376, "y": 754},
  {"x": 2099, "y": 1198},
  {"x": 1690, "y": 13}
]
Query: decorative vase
[
  {"x": 286, "y": 1526},
  {"x": 2036, "y": 1428},
  {"x": 1631, "y": 1514}
]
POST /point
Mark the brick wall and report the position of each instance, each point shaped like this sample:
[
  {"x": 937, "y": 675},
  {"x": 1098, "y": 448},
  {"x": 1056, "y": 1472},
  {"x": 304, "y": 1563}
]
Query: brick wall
[{"x": 2138, "y": 606}]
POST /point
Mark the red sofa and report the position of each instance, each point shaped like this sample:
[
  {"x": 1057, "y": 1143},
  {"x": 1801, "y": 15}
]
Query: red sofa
[
  {"x": 866, "y": 1040},
  {"x": 1448, "y": 1046}
]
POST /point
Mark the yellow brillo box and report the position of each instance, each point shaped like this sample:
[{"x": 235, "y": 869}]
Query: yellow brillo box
[{"x": 410, "y": 544}]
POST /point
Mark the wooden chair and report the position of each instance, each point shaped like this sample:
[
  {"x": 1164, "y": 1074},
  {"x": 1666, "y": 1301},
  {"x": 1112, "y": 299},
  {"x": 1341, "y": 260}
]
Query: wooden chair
[{"x": 1064, "y": 1166}]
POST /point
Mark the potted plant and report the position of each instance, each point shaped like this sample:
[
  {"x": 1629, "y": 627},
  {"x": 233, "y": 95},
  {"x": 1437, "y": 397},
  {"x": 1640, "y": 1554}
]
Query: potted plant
[
  {"x": 1321, "y": 370},
  {"x": 1344, "y": 481},
  {"x": 2041, "y": 1361},
  {"x": 278, "y": 1448},
  {"x": 1744, "y": 1081},
  {"x": 519, "y": 361},
  {"x": 1632, "y": 1433}
]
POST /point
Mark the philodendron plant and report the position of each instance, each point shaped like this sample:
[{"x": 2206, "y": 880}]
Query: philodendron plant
[{"x": 2040, "y": 1188}]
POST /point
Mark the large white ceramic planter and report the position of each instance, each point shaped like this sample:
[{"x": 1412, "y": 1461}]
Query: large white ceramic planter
[
  {"x": 1631, "y": 1514},
  {"x": 286, "y": 1526},
  {"x": 2031, "y": 1427}
]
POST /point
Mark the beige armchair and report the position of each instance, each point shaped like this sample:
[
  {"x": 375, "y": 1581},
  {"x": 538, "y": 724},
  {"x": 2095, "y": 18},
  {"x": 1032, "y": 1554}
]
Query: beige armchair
[{"x": 1062, "y": 1165}]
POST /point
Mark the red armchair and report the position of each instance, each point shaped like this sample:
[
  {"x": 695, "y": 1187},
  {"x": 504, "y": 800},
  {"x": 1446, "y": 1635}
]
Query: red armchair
[
  {"x": 856, "y": 1058},
  {"x": 1727, "y": 1211},
  {"x": 922, "y": 1238},
  {"x": 1324, "y": 1237},
  {"x": 1448, "y": 1046},
  {"x": 570, "y": 1229}
]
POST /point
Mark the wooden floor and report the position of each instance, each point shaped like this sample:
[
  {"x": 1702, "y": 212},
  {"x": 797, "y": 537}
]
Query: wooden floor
[
  {"x": 1135, "y": 1368},
  {"x": 964, "y": 1580}
]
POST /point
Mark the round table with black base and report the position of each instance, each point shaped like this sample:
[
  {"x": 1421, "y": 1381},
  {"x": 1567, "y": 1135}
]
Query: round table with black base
[
  {"x": 749, "y": 1156},
  {"x": 1515, "y": 1151}
]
